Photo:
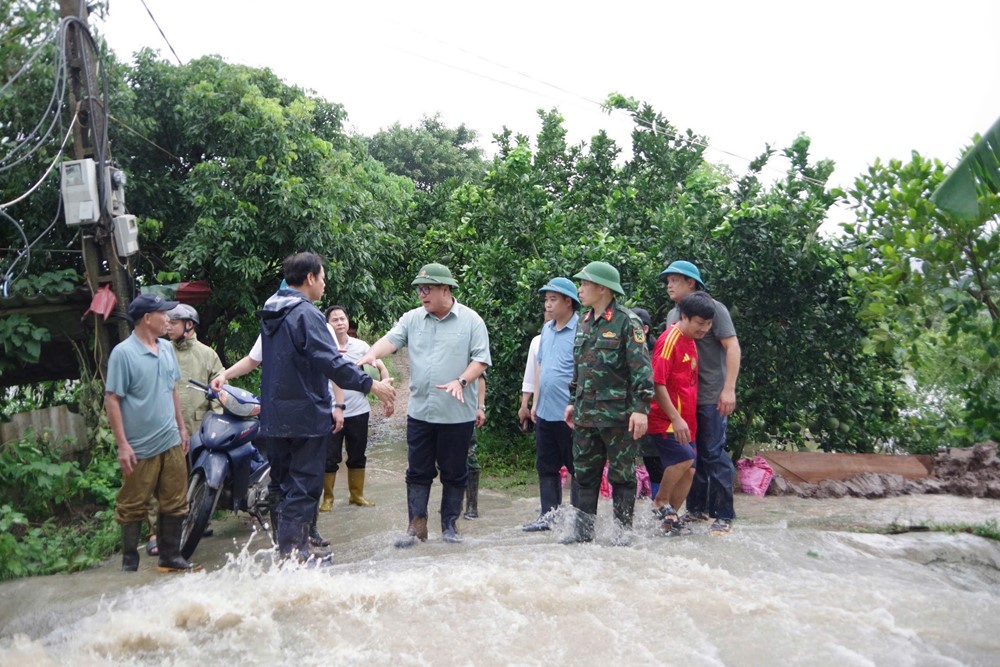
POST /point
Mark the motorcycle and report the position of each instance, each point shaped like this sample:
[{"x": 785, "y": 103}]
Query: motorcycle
[{"x": 227, "y": 471}]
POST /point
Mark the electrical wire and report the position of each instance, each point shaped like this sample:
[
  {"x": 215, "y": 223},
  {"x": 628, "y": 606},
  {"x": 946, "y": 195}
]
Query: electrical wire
[
  {"x": 31, "y": 59},
  {"x": 54, "y": 109},
  {"x": 146, "y": 139},
  {"x": 162, "y": 34},
  {"x": 638, "y": 121},
  {"x": 54, "y": 162},
  {"x": 8, "y": 276}
]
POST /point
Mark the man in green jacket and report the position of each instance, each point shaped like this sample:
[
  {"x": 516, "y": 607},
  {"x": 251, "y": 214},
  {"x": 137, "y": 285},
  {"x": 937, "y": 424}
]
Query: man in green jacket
[{"x": 610, "y": 392}]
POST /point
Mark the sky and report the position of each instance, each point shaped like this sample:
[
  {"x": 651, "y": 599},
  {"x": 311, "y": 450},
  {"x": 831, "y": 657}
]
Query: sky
[{"x": 863, "y": 79}]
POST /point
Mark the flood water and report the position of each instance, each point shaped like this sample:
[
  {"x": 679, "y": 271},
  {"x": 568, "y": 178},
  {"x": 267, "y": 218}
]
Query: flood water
[{"x": 797, "y": 582}]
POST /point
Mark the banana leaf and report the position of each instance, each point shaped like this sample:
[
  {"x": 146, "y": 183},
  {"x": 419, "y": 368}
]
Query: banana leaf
[{"x": 978, "y": 174}]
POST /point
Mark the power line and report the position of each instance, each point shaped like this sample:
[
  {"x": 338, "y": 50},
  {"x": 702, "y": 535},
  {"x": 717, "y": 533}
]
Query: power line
[
  {"x": 162, "y": 34},
  {"x": 55, "y": 161},
  {"x": 146, "y": 139},
  {"x": 638, "y": 121}
]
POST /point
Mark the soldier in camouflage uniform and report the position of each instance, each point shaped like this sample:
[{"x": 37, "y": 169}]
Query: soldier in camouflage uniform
[{"x": 610, "y": 393}]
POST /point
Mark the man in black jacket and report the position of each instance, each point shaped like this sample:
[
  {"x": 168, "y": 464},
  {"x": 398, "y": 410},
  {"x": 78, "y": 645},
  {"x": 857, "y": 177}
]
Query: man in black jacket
[{"x": 299, "y": 357}]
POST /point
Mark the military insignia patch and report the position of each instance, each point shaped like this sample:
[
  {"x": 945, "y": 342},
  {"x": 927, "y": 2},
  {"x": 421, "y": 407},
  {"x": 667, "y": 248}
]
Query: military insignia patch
[
  {"x": 608, "y": 334},
  {"x": 638, "y": 336}
]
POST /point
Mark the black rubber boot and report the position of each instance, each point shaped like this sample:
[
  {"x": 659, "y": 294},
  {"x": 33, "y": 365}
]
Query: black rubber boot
[
  {"x": 623, "y": 500},
  {"x": 130, "y": 546},
  {"x": 586, "y": 516},
  {"x": 274, "y": 514},
  {"x": 550, "y": 493},
  {"x": 417, "y": 497},
  {"x": 451, "y": 506},
  {"x": 315, "y": 539},
  {"x": 169, "y": 541},
  {"x": 472, "y": 495}
]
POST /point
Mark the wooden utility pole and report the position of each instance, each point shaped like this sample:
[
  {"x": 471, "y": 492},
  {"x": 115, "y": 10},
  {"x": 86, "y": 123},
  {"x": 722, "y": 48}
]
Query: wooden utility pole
[{"x": 90, "y": 140}]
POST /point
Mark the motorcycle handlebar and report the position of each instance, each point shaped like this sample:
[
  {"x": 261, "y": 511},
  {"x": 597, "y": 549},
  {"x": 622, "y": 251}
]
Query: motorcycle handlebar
[{"x": 198, "y": 384}]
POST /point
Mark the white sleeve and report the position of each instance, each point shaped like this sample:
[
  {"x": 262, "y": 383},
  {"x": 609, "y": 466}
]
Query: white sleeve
[
  {"x": 528, "y": 383},
  {"x": 257, "y": 351}
]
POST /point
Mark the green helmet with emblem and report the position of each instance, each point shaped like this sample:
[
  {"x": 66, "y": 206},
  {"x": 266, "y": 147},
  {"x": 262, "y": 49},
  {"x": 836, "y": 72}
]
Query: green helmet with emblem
[
  {"x": 602, "y": 273},
  {"x": 434, "y": 274}
]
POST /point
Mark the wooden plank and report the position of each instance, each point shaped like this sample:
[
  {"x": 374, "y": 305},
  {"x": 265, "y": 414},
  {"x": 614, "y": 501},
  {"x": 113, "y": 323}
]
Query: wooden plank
[{"x": 814, "y": 467}]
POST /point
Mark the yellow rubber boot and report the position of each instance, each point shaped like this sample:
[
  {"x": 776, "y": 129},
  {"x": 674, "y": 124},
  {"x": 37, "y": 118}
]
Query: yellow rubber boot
[
  {"x": 327, "y": 504},
  {"x": 356, "y": 484}
]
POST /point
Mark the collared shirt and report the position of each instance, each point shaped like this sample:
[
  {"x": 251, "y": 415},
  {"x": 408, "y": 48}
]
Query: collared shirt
[
  {"x": 440, "y": 349},
  {"x": 612, "y": 377},
  {"x": 144, "y": 383},
  {"x": 356, "y": 402},
  {"x": 555, "y": 354},
  {"x": 711, "y": 354}
]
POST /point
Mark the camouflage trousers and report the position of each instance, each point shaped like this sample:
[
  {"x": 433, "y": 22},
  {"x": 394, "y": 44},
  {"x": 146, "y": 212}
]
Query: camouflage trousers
[{"x": 593, "y": 446}]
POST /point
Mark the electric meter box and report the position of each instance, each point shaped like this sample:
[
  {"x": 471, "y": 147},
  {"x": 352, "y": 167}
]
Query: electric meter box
[
  {"x": 126, "y": 235},
  {"x": 79, "y": 192}
]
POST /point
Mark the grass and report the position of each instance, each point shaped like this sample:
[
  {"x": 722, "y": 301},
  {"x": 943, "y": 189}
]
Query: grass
[
  {"x": 988, "y": 529},
  {"x": 507, "y": 459}
]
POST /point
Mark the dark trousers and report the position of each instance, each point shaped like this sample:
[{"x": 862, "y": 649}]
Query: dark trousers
[
  {"x": 354, "y": 438},
  {"x": 553, "y": 447},
  {"x": 431, "y": 447},
  {"x": 714, "y": 474},
  {"x": 299, "y": 462}
]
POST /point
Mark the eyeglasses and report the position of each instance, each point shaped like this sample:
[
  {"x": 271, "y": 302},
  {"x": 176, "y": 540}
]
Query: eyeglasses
[{"x": 423, "y": 290}]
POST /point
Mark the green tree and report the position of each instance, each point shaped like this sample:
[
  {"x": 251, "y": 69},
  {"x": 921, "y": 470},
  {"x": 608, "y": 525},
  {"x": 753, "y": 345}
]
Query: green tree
[
  {"x": 236, "y": 170},
  {"x": 429, "y": 153},
  {"x": 929, "y": 280}
]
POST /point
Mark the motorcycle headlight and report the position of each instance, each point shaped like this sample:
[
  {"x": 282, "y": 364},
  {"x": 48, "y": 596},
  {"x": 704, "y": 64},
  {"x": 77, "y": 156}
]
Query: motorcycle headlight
[{"x": 239, "y": 402}]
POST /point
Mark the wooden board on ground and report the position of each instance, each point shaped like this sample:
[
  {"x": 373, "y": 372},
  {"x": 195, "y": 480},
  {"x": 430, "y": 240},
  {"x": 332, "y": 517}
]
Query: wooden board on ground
[{"x": 814, "y": 467}]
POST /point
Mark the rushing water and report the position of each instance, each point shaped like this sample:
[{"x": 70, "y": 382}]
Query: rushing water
[{"x": 793, "y": 584}]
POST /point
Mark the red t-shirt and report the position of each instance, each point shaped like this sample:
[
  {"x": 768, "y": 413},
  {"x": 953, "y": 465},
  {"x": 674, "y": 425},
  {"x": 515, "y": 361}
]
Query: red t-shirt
[{"x": 675, "y": 365}]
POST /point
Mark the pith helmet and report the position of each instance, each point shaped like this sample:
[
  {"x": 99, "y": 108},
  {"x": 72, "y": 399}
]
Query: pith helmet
[
  {"x": 602, "y": 273},
  {"x": 683, "y": 268},
  {"x": 184, "y": 312},
  {"x": 434, "y": 274},
  {"x": 562, "y": 286}
]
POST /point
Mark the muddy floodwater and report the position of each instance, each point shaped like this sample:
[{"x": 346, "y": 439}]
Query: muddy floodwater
[{"x": 798, "y": 582}]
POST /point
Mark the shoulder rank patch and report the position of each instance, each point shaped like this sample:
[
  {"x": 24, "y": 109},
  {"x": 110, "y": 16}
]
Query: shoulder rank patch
[
  {"x": 609, "y": 334},
  {"x": 638, "y": 335}
]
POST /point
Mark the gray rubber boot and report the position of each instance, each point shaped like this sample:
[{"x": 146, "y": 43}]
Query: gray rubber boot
[
  {"x": 417, "y": 498},
  {"x": 472, "y": 495},
  {"x": 550, "y": 494},
  {"x": 451, "y": 506},
  {"x": 130, "y": 546},
  {"x": 586, "y": 516}
]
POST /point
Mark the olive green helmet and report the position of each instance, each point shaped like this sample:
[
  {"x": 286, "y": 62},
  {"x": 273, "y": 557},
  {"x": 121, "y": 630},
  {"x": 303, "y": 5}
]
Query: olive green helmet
[
  {"x": 434, "y": 274},
  {"x": 602, "y": 273}
]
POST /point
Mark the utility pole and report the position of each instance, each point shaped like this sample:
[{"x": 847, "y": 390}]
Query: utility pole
[{"x": 90, "y": 140}]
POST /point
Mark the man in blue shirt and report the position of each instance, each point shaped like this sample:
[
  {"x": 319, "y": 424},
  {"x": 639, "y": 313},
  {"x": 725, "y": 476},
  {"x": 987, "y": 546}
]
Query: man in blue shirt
[
  {"x": 553, "y": 437},
  {"x": 144, "y": 412}
]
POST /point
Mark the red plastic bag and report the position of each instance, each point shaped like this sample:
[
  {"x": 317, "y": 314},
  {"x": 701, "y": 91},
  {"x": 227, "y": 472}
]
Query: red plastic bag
[
  {"x": 755, "y": 475},
  {"x": 605, "y": 484}
]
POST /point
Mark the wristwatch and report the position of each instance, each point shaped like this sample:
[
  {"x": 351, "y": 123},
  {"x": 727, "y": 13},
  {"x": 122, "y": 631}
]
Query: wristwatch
[
  {"x": 342, "y": 406},
  {"x": 483, "y": 408},
  {"x": 462, "y": 381}
]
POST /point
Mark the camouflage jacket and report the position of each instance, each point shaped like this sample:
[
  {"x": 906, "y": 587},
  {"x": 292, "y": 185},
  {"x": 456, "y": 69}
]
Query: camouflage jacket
[{"x": 612, "y": 377}]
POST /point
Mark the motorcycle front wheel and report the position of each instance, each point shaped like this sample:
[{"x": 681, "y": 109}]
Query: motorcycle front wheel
[{"x": 201, "y": 504}]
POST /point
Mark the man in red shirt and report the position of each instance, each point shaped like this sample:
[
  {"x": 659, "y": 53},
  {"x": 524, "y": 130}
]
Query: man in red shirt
[{"x": 672, "y": 414}]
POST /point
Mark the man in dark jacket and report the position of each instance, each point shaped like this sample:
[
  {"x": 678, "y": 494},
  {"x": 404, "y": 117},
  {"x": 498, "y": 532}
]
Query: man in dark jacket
[{"x": 299, "y": 357}]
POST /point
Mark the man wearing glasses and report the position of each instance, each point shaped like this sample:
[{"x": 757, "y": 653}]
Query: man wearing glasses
[{"x": 449, "y": 349}]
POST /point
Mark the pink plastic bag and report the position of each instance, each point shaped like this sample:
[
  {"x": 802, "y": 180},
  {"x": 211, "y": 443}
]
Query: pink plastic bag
[
  {"x": 755, "y": 475},
  {"x": 642, "y": 488}
]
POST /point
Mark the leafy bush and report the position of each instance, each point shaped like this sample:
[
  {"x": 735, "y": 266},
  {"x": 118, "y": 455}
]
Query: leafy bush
[{"x": 55, "y": 515}]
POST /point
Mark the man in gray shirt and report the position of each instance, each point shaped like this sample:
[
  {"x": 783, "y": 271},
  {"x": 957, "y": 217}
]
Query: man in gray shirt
[
  {"x": 719, "y": 354},
  {"x": 449, "y": 349}
]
